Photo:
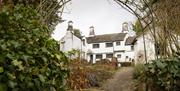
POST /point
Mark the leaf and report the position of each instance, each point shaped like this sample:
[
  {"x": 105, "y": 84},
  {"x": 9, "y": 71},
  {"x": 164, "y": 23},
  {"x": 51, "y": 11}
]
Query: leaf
[
  {"x": 21, "y": 77},
  {"x": 152, "y": 70},
  {"x": 160, "y": 64},
  {"x": 3, "y": 46},
  {"x": 18, "y": 16},
  {"x": 44, "y": 59},
  {"x": 3, "y": 87},
  {"x": 41, "y": 77},
  {"x": 16, "y": 63},
  {"x": 11, "y": 84},
  {"x": 26, "y": 57},
  {"x": 15, "y": 43},
  {"x": 1, "y": 69},
  {"x": 44, "y": 50},
  {"x": 10, "y": 56}
]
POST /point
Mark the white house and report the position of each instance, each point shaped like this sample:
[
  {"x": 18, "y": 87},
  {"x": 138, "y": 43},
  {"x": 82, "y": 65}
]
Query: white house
[
  {"x": 119, "y": 45},
  {"x": 139, "y": 48},
  {"x": 148, "y": 43},
  {"x": 125, "y": 46},
  {"x": 70, "y": 41},
  {"x": 96, "y": 47}
]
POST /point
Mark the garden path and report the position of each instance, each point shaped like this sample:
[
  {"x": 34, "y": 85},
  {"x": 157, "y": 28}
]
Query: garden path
[{"x": 122, "y": 80}]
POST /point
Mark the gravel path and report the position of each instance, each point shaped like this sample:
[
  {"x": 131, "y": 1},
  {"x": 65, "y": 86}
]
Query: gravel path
[{"x": 122, "y": 81}]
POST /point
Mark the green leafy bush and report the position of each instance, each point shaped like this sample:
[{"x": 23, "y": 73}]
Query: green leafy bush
[
  {"x": 165, "y": 73},
  {"x": 160, "y": 75},
  {"x": 138, "y": 71},
  {"x": 29, "y": 57}
]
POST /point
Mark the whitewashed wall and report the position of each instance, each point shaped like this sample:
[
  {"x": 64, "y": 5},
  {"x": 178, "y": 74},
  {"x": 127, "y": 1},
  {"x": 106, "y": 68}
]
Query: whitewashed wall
[
  {"x": 122, "y": 49},
  {"x": 139, "y": 48},
  {"x": 70, "y": 41}
]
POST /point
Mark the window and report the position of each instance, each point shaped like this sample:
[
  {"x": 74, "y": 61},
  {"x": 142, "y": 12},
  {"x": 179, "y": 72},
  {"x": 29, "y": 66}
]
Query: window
[
  {"x": 91, "y": 57},
  {"x": 127, "y": 57},
  {"x": 118, "y": 43},
  {"x": 95, "y": 45},
  {"x": 119, "y": 56},
  {"x": 98, "y": 56},
  {"x": 83, "y": 42},
  {"x": 109, "y": 55},
  {"x": 109, "y": 44},
  {"x": 132, "y": 48}
]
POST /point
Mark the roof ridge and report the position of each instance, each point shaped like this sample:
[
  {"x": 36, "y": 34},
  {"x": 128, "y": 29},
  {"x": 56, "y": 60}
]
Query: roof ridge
[
  {"x": 107, "y": 34},
  {"x": 106, "y": 38}
]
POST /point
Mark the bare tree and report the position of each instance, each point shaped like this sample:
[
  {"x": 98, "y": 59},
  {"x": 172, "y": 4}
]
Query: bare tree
[{"x": 161, "y": 18}]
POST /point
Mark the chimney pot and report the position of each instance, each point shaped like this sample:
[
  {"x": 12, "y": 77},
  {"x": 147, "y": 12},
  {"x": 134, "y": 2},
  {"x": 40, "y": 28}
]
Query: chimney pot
[
  {"x": 125, "y": 27},
  {"x": 70, "y": 26},
  {"x": 91, "y": 31}
]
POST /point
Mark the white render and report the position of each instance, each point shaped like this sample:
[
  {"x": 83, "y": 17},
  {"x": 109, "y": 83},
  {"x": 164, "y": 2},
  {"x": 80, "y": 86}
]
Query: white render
[
  {"x": 122, "y": 52},
  {"x": 149, "y": 45},
  {"x": 139, "y": 48},
  {"x": 122, "y": 49},
  {"x": 70, "y": 42}
]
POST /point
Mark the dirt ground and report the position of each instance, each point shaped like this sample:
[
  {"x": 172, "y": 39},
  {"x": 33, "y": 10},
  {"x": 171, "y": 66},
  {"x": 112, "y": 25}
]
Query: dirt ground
[{"x": 122, "y": 81}]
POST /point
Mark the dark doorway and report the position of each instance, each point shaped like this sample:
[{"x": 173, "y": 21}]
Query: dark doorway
[{"x": 91, "y": 58}]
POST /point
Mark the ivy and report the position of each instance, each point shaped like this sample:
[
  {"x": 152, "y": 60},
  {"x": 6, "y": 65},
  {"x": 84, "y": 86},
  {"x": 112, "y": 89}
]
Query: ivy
[{"x": 29, "y": 58}]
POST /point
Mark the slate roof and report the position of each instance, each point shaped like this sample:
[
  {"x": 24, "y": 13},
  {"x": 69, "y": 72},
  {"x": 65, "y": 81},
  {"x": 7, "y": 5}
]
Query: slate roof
[
  {"x": 130, "y": 40},
  {"x": 106, "y": 38}
]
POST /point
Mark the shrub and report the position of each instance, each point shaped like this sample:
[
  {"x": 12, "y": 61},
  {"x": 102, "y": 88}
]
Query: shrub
[
  {"x": 165, "y": 73},
  {"x": 125, "y": 64},
  {"x": 102, "y": 72},
  {"x": 106, "y": 62},
  {"x": 138, "y": 71},
  {"x": 161, "y": 74},
  {"x": 29, "y": 57},
  {"x": 77, "y": 78},
  {"x": 84, "y": 75}
]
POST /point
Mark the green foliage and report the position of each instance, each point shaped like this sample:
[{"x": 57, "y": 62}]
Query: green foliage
[
  {"x": 137, "y": 27},
  {"x": 77, "y": 33},
  {"x": 164, "y": 74},
  {"x": 50, "y": 10},
  {"x": 138, "y": 71},
  {"x": 73, "y": 52},
  {"x": 29, "y": 58}
]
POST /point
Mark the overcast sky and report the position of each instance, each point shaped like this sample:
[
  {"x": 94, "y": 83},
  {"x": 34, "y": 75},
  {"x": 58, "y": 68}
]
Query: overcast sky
[{"x": 105, "y": 15}]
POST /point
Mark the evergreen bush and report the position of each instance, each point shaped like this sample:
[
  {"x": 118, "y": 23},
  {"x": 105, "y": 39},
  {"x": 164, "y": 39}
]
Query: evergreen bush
[{"x": 29, "y": 57}]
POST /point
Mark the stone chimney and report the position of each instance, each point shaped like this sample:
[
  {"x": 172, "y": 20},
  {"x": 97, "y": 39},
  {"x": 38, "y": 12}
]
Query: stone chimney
[
  {"x": 70, "y": 26},
  {"x": 125, "y": 27},
  {"x": 91, "y": 31}
]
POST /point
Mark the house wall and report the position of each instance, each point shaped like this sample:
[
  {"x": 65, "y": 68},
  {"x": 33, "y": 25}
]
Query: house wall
[
  {"x": 129, "y": 53},
  {"x": 139, "y": 48},
  {"x": 122, "y": 49},
  {"x": 101, "y": 50},
  {"x": 70, "y": 41},
  {"x": 150, "y": 47}
]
